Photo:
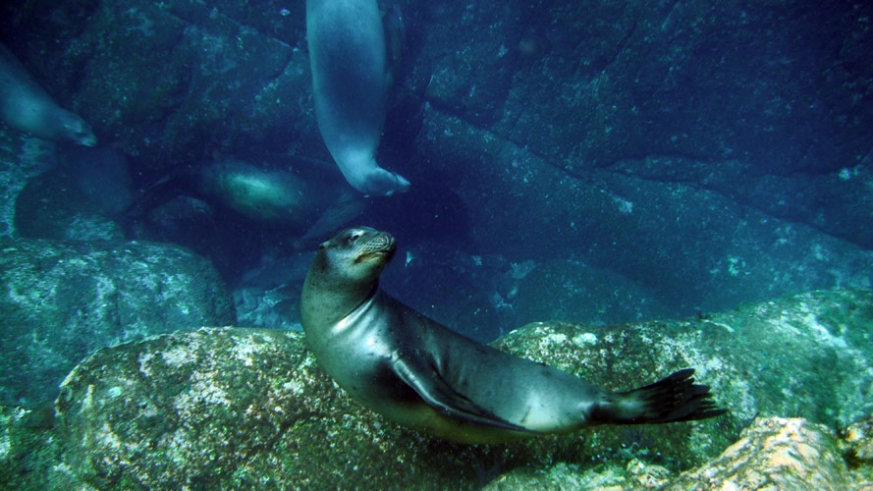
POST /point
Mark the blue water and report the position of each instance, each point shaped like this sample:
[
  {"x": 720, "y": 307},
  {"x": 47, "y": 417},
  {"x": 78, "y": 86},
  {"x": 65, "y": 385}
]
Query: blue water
[{"x": 590, "y": 162}]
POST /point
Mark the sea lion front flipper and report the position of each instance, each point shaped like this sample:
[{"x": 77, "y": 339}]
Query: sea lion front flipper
[{"x": 419, "y": 373}]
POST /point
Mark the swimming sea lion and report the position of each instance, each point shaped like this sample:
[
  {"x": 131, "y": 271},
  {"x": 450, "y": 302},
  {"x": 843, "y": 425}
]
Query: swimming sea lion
[
  {"x": 26, "y": 106},
  {"x": 421, "y": 374},
  {"x": 270, "y": 195},
  {"x": 350, "y": 82}
]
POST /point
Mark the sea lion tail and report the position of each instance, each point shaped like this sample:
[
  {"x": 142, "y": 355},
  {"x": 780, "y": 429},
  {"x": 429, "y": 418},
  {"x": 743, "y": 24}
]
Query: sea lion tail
[{"x": 675, "y": 398}]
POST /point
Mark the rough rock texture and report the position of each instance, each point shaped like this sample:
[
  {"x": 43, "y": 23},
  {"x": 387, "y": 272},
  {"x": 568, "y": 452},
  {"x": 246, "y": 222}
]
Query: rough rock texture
[
  {"x": 774, "y": 453},
  {"x": 807, "y": 355},
  {"x": 237, "y": 409},
  {"x": 560, "y": 477},
  {"x": 49, "y": 207},
  {"x": 241, "y": 408},
  {"x": 710, "y": 154},
  {"x": 857, "y": 446},
  {"x": 20, "y": 159},
  {"x": 60, "y": 301},
  {"x": 30, "y": 455},
  {"x": 771, "y": 454}
]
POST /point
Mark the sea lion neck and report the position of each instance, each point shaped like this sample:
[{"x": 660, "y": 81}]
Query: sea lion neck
[{"x": 328, "y": 296}]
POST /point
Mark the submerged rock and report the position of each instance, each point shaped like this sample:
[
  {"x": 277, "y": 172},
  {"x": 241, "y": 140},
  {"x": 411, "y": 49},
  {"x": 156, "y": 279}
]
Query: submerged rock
[
  {"x": 243, "y": 408},
  {"x": 63, "y": 300},
  {"x": 857, "y": 445},
  {"x": 29, "y": 454},
  {"x": 236, "y": 409},
  {"x": 775, "y": 453}
]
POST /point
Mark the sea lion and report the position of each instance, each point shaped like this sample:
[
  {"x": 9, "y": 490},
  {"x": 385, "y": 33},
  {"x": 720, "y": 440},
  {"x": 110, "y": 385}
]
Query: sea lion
[
  {"x": 26, "y": 106},
  {"x": 421, "y": 374},
  {"x": 270, "y": 195},
  {"x": 350, "y": 82}
]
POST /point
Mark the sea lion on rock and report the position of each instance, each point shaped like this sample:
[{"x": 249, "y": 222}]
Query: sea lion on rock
[
  {"x": 26, "y": 106},
  {"x": 421, "y": 374},
  {"x": 350, "y": 82}
]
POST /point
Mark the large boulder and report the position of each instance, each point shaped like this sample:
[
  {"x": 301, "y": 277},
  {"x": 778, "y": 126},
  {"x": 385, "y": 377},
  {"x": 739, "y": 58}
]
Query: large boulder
[
  {"x": 772, "y": 453},
  {"x": 776, "y": 452},
  {"x": 63, "y": 300},
  {"x": 239, "y": 408}
]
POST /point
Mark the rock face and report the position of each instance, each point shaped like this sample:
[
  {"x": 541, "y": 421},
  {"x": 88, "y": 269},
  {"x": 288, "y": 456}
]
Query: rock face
[
  {"x": 775, "y": 453},
  {"x": 709, "y": 154},
  {"x": 772, "y": 453},
  {"x": 64, "y": 300},
  {"x": 241, "y": 408},
  {"x": 808, "y": 354},
  {"x": 857, "y": 446},
  {"x": 235, "y": 408},
  {"x": 698, "y": 154}
]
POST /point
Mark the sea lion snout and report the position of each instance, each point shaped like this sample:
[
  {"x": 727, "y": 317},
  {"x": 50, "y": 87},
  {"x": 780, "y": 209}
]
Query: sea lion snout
[
  {"x": 362, "y": 244},
  {"x": 378, "y": 242},
  {"x": 373, "y": 244}
]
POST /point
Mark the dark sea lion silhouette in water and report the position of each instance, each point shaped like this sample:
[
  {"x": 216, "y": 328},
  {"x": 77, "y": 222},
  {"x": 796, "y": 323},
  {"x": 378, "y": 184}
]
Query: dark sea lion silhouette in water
[
  {"x": 350, "y": 81},
  {"x": 27, "y": 107},
  {"x": 264, "y": 194},
  {"x": 421, "y": 374}
]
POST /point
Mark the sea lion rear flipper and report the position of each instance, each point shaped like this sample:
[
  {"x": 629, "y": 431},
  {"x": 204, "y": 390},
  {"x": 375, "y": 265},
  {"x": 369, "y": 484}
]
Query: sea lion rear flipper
[
  {"x": 423, "y": 377},
  {"x": 674, "y": 398}
]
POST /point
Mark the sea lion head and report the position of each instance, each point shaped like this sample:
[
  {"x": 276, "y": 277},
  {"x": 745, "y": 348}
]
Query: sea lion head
[
  {"x": 358, "y": 254},
  {"x": 343, "y": 274},
  {"x": 76, "y": 130}
]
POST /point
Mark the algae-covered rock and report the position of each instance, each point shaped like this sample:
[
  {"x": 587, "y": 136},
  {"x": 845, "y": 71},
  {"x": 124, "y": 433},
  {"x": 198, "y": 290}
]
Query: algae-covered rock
[
  {"x": 774, "y": 453},
  {"x": 30, "y": 455},
  {"x": 243, "y": 408},
  {"x": 238, "y": 409},
  {"x": 61, "y": 301},
  {"x": 807, "y": 355},
  {"x": 857, "y": 444}
]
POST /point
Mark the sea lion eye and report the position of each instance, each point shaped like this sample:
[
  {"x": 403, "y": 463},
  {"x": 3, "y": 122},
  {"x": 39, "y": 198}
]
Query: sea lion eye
[{"x": 353, "y": 237}]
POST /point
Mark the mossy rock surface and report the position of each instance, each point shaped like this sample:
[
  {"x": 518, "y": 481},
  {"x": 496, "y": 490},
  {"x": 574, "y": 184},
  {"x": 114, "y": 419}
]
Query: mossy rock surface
[{"x": 238, "y": 408}]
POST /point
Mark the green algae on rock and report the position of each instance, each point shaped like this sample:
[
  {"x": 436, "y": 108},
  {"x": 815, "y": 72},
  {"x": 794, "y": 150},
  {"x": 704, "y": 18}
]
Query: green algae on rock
[
  {"x": 774, "y": 453},
  {"x": 65, "y": 299},
  {"x": 241, "y": 408}
]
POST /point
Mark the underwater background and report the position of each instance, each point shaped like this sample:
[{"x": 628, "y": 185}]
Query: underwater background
[{"x": 698, "y": 175}]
